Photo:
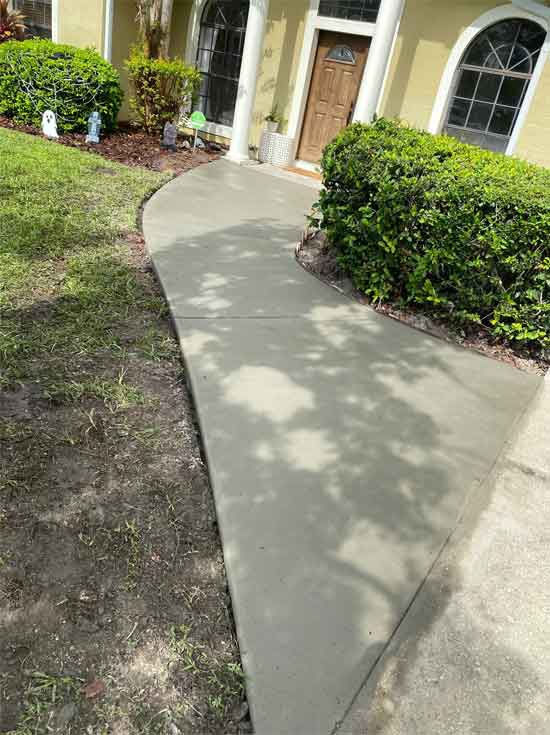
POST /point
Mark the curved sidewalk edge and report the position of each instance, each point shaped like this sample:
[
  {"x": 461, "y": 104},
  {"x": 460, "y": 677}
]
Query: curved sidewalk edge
[{"x": 342, "y": 446}]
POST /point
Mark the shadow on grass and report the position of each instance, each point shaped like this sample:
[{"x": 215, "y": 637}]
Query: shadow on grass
[{"x": 111, "y": 573}]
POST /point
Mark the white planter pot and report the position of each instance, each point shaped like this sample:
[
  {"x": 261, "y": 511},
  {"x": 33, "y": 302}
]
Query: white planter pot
[{"x": 276, "y": 149}]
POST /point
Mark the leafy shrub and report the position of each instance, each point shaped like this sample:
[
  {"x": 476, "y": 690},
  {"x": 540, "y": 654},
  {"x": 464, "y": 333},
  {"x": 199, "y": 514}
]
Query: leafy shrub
[
  {"x": 38, "y": 75},
  {"x": 430, "y": 221},
  {"x": 161, "y": 88}
]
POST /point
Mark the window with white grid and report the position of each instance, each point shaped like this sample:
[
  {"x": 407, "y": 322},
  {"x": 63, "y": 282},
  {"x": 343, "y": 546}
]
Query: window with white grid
[
  {"x": 38, "y": 16},
  {"x": 491, "y": 83}
]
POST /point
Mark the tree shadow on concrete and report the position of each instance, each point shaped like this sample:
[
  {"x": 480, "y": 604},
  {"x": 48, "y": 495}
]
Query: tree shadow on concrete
[{"x": 341, "y": 446}]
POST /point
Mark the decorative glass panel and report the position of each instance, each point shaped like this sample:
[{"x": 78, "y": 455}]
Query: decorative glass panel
[
  {"x": 219, "y": 57},
  {"x": 488, "y": 87},
  {"x": 459, "y": 112},
  {"x": 362, "y": 10},
  {"x": 502, "y": 120},
  {"x": 511, "y": 90},
  {"x": 468, "y": 84},
  {"x": 479, "y": 116},
  {"x": 343, "y": 54},
  {"x": 491, "y": 83},
  {"x": 38, "y": 16}
]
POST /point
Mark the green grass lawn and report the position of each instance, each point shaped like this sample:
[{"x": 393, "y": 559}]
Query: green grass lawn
[
  {"x": 114, "y": 612},
  {"x": 64, "y": 282}
]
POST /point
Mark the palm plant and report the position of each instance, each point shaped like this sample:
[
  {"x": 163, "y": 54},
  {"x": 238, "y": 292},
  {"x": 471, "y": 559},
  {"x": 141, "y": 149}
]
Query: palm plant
[{"x": 12, "y": 23}]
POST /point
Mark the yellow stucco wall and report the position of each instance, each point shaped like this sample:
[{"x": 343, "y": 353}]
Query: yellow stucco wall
[
  {"x": 180, "y": 22},
  {"x": 82, "y": 24},
  {"x": 429, "y": 30},
  {"x": 281, "y": 56},
  {"x": 534, "y": 139},
  {"x": 125, "y": 34}
]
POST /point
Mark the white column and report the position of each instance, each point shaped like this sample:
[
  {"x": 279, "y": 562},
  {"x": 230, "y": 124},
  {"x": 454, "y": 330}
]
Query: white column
[
  {"x": 108, "y": 30},
  {"x": 250, "y": 67},
  {"x": 378, "y": 60}
]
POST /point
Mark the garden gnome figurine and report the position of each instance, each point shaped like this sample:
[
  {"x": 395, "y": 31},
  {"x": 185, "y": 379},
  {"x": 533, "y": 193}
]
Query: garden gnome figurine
[
  {"x": 169, "y": 136},
  {"x": 94, "y": 127},
  {"x": 49, "y": 124}
]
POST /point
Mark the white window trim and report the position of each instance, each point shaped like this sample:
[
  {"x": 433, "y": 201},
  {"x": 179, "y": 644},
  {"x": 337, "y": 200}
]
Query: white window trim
[
  {"x": 341, "y": 25},
  {"x": 223, "y": 131},
  {"x": 314, "y": 24},
  {"x": 193, "y": 33},
  {"x": 503, "y": 12},
  {"x": 55, "y": 21},
  {"x": 533, "y": 6}
]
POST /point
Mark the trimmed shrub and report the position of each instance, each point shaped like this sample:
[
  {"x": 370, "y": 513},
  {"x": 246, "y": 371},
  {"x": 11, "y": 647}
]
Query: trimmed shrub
[
  {"x": 426, "y": 220},
  {"x": 40, "y": 75},
  {"x": 161, "y": 88}
]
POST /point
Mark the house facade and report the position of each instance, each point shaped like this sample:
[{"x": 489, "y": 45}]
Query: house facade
[{"x": 474, "y": 69}]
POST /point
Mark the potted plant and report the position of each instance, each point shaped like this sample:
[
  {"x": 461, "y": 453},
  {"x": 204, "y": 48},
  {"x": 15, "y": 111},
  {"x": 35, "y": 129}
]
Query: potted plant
[
  {"x": 12, "y": 23},
  {"x": 273, "y": 120}
]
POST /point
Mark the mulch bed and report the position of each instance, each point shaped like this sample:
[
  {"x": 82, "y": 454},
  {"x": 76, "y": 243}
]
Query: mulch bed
[
  {"x": 133, "y": 147},
  {"x": 316, "y": 256}
]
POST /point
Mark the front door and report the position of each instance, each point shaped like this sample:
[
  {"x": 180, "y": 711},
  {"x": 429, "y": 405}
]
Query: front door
[{"x": 335, "y": 81}]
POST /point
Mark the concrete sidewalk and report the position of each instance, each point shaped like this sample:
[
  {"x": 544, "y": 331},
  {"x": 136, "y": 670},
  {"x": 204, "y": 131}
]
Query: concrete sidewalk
[
  {"x": 341, "y": 445},
  {"x": 472, "y": 657}
]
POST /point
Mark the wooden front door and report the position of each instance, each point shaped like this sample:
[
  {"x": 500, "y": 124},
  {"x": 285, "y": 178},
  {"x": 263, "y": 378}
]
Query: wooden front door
[{"x": 335, "y": 81}]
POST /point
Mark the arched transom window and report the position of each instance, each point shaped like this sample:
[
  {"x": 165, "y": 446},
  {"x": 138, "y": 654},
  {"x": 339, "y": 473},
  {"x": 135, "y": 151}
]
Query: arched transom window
[
  {"x": 219, "y": 56},
  {"x": 492, "y": 81}
]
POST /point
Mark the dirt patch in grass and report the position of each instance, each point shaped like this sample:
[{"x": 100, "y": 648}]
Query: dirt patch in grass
[
  {"x": 316, "y": 256},
  {"x": 133, "y": 147},
  {"x": 114, "y": 611}
]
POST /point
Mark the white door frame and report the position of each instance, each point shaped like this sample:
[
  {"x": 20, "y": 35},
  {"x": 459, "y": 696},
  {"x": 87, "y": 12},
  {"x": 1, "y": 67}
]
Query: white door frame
[
  {"x": 503, "y": 12},
  {"x": 314, "y": 23}
]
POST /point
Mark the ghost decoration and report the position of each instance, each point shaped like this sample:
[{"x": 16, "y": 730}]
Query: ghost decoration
[{"x": 49, "y": 124}]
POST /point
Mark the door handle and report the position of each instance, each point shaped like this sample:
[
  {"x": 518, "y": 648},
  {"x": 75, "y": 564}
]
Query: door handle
[{"x": 350, "y": 113}]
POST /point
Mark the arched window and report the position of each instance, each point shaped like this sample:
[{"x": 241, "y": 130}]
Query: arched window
[
  {"x": 492, "y": 81},
  {"x": 219, "y": 56}
]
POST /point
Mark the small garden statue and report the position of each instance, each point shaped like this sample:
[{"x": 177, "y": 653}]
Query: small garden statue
[
  {"x": 94, "y": 127},
  {"x": 49, "y": 124},
  {"x": 169, "y": 136}
]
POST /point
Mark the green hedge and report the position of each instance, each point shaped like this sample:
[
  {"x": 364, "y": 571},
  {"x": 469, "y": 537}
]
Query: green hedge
[
  {"x": 161, "y": 88},
  {"x": 38, "y": 75},
  {"x": 427, "y": 220}
]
